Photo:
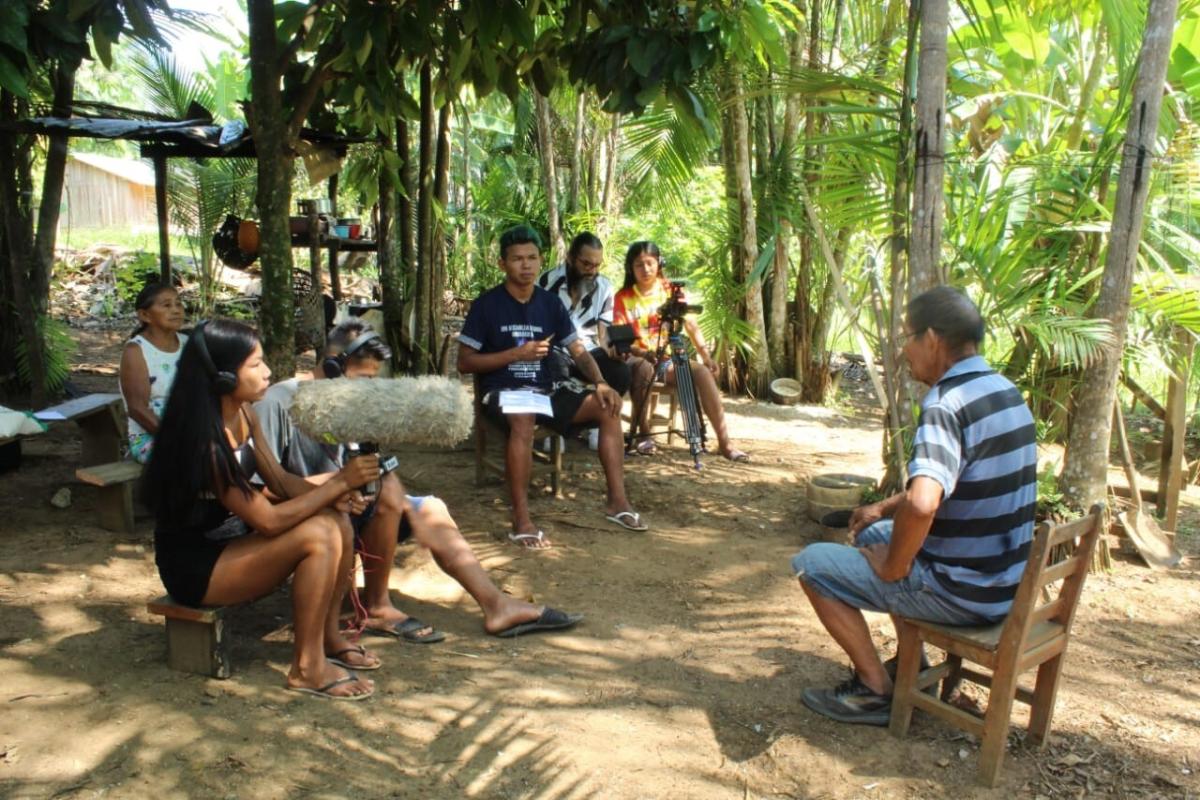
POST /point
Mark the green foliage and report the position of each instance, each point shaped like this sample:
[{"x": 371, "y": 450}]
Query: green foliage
[
  {"x": 133, "y": 274},
  {"x": 58, "y": 345},
  {"x": 1051, "y": 503}
]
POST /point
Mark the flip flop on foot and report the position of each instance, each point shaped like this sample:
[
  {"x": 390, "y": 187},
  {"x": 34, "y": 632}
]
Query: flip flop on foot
[
  {"x": 326, "y": 692},
  {"x": 551, "y": 619},
  {"x": 372, "y": 663},
  {"x": 530, "y": 541},
  {"x": 629, "y": 520},
  {"x": 409, "y": 631},
  {"x": 737, "y": 456}
]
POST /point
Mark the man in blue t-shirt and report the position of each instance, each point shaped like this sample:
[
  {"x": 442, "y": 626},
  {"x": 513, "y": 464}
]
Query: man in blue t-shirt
[
  {"x": 952, "y": 547},
  {"x": 506, "y": 337}
]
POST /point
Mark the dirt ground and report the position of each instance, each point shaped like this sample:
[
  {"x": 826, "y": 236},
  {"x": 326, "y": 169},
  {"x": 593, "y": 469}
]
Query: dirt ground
[{"x": 683, "y": 681}]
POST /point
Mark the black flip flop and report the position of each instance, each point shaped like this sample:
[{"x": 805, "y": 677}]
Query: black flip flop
[
  {"x": 551, "y": 619},
  {"x": 407, "y": 631}
]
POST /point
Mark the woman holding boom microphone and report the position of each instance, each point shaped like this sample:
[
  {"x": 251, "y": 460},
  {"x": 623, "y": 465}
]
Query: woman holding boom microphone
[
  {"x": 218, "y": 541},
  {"x": 645, "y": 291}
]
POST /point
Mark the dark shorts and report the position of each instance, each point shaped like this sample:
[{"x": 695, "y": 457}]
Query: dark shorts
[
  {"x": 186, "y": 565},
  {"x": 616, "y": 374},
  {"x": 565, "y": 403},
  {"x": 359, "y": 522}
]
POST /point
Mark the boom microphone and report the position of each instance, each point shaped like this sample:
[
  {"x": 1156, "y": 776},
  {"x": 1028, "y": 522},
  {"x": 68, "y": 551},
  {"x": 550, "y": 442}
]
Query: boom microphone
[{"x": 429, "y": 410}]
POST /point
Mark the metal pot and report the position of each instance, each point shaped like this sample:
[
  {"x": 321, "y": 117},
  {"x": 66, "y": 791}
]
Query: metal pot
[{"x": 318, "y": 205}]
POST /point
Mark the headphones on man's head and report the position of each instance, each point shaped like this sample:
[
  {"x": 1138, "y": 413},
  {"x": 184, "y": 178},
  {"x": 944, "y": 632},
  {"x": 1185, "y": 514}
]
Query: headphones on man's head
[
  {"x": 224, "y": 382},
  {"x": 334, "y": 365}
]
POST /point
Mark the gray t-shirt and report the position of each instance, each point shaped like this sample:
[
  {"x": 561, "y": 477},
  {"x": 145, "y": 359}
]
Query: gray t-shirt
[{"x": 297, "y": 453}]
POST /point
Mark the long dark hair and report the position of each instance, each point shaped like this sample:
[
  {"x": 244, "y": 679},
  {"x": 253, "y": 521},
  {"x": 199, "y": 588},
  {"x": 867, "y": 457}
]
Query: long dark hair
[
  {"x": 145, "y": 299},
  {"x": 636, "y": 249},
  {"x": 191, "y": 453}
]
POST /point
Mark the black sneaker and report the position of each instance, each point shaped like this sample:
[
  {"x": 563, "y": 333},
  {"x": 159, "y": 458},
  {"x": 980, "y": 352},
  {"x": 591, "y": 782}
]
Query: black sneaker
[
  {"x": 850, "y": 701},
  {"x": 891, "y": 664}
]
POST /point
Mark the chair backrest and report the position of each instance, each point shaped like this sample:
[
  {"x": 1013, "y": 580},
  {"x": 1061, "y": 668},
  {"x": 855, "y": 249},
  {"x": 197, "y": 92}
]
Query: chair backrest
[{"x": 1029, "y": 609}]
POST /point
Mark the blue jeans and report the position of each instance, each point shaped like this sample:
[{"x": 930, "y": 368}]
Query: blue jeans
[{"x": 841, "y": 572}]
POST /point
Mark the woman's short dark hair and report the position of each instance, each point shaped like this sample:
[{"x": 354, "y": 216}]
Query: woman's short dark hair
[
  {"x": 344, "y": 334},
  {"x": 521, "y": 234},
  {"x": 636, "y": 249},
  {"x": 145, "y": 299},
  {"x": 191, "y": 454},
  {"x": 582, "y": 240},
  {"x": 949, "y": 312}
]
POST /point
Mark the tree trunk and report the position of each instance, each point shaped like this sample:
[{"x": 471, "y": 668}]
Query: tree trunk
[
  {"x": 1085, "y": 467},
  {"x": 777, "y": 320},
  {"x": 924, "y": 270},
  {"x": 404, "y": 204},
  {"x": 545, "y": 135},
  {"x": 804, "y": 309},
  {"x": 759, "y": 364},
  {"x": 441, "y": 193},
  {"x": 391, "y": 273},
  {"x": 576, "y": 154},
  {"x": 423, "y": 296},
  {"x": 612, "y": 201},
  {"x": 269, "y": 126},
  {"x": 63, "y": 80},
  {"x": 899, "y": 411},
  {"x": 18, "y": 239},
  {"x": 468, "y": 246}
]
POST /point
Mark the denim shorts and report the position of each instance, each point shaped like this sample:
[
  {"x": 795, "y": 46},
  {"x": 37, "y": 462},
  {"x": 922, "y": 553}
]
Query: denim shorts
[
  {"x": 360, "y": 521},
  {"x": 841, "y": 572}
]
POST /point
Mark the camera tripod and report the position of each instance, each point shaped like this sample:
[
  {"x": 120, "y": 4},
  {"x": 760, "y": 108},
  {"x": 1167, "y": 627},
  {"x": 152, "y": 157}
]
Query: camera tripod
[{"x": 694, "y": 430}]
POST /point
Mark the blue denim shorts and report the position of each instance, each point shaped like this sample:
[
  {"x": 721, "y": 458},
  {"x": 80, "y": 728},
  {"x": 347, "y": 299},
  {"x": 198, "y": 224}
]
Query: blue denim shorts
[{"x": 841, "y": 572}]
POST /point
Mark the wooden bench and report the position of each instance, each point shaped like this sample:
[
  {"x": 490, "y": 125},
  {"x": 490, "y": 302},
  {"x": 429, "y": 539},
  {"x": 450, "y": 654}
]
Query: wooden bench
[
  {"x": 197, "y": 640},
  {"x": 115, "y": 481},
  {"x": 101, "y": 421}
]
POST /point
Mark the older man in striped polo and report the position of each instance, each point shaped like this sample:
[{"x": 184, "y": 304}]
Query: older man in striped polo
[{"x": 951, "y": 547}]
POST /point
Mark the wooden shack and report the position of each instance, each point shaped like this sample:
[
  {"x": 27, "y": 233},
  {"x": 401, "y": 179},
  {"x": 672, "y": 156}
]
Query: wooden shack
[{"x": 106, "y": 192}]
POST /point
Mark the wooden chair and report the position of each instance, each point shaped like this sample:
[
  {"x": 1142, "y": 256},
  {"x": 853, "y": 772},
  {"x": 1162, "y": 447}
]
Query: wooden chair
[
  {"x": 657, "y": 421},
  {"x": 1035, "y": 634},
  {"x": 485, "y": 463}
]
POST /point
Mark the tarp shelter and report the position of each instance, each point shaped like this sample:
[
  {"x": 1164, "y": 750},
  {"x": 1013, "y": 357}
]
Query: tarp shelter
[{"x": 162, "y": 139}]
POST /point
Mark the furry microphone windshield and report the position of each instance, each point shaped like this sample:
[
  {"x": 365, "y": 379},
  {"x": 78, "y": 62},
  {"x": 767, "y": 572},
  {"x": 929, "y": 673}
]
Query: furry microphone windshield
[{"x": 429, "y": 410}]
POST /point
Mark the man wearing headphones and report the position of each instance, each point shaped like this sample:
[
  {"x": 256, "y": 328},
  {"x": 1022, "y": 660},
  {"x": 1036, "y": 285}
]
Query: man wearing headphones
[{"x": 354, "y": 350}]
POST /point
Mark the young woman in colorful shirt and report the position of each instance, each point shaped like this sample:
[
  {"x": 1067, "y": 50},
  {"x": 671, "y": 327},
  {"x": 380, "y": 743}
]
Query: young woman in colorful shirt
[{"x": 645, "y": 291}]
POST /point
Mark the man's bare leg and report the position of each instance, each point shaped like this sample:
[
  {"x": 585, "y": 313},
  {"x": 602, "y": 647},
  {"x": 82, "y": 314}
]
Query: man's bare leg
[
  {"x": 611, "y": 451},
  {"x": 848, "y": 628},
  {"x": 379, "y": 540},
  {"x": 433, "y": 527},
  {"x": 518, "y": 466}
]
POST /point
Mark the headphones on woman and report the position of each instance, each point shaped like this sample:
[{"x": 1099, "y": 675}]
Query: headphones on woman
[
  {"x": 334, "y": 365},
  {"x": 223, "y": 381}
]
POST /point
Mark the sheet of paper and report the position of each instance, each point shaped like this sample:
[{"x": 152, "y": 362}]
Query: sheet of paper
[
  {"x": 516, "y": 401},
  {"x": 49, "y": 416}
]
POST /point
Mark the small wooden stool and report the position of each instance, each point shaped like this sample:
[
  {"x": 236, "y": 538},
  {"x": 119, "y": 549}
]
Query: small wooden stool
[
  {"x": 196, "y": 638},
  {"x": 115, "y": 481}
]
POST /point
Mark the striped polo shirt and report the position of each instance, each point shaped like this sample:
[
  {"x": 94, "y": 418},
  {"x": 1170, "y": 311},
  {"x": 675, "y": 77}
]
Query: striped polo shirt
[{"x": 976, "y": 438}]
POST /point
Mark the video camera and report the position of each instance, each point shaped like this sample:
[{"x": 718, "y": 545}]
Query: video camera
[
  {"x": 677, "y": 306},
  {"x": 621, "y": 338}
]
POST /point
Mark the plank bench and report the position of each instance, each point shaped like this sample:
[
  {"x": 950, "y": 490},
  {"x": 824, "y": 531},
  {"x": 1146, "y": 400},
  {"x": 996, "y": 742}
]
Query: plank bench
[
  {"x": 197, "y": 640},
  {"x": 116, "y": 481},
  {"x": 101, "y": 421}
]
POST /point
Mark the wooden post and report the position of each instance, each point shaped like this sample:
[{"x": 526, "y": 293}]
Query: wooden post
[
  {"x": 335, "y": 276},
  {"x": 1170, "y": 474},
  {"x": 160, "y": 206}
]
